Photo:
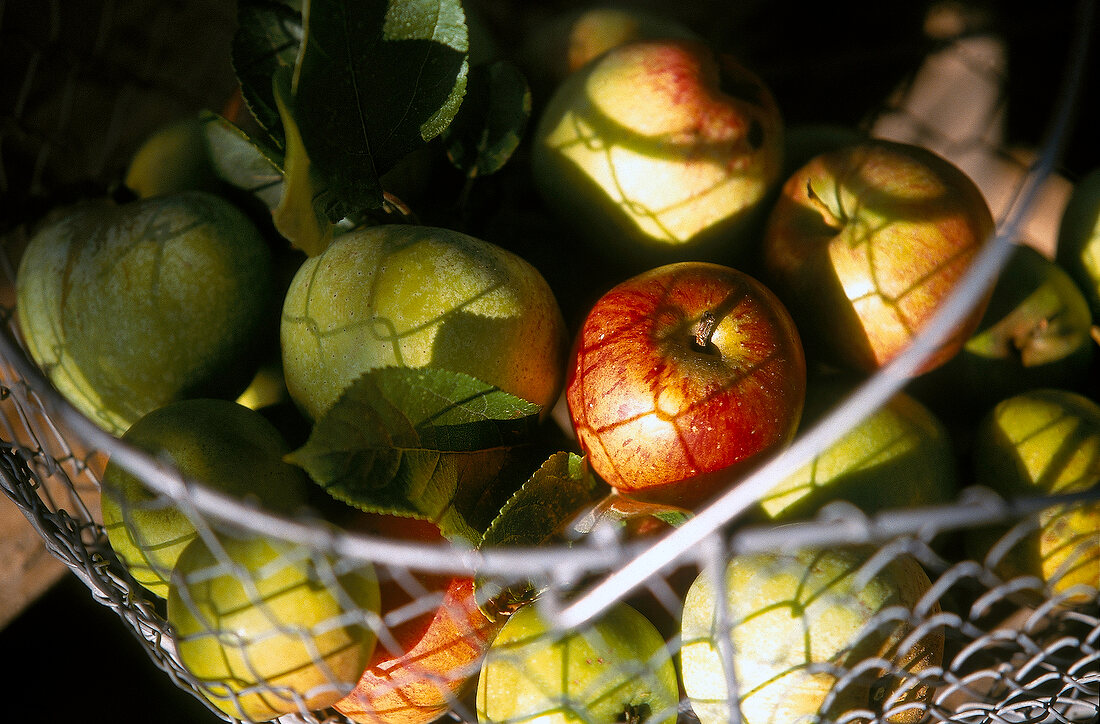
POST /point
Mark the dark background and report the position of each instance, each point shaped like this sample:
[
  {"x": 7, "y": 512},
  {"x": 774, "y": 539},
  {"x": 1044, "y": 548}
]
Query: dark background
[{"x": 72, "y": 658}]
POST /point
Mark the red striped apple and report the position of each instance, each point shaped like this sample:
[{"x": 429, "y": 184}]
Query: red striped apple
[
  {"x": 681, "y": 375},
  {"x": 430, "y": 655},
  {"x": 865, "y": 243}
]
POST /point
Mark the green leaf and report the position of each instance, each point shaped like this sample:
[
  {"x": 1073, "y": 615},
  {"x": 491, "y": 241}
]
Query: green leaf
[
  {"x": 550, "y": 499},
  {"x": 268, "y": 37},
  {"x": 376, "y": 80},
  {"x": 491, "y": 122},
  {"x": 302, "y": 212},
  {"x": 242, "y": 161},
  {"x": 560, "y": 489},
  {"x": 427, "y": 443}
]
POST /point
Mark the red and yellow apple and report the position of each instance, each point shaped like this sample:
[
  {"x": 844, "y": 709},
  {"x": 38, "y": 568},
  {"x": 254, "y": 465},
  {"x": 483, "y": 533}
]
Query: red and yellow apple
[
  {"x": 682, "y": 375},
  {"x": 419, "y": 296},
  {"x": 866, "y": 242},
  {"x": 660, "y": 149},
  {"x": 428, "y": 657}
]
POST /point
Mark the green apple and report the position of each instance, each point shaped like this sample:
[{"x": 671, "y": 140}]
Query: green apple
[
  {"x": 420, "y": 297},
  {"x": 219, "y": 443},
  {"x": 798, "y": 621},
  {"x": 175, "y": 157},
  {"x": 1042, "y": 442},
  {"x": 1036, "y": 332},
  {"x": 127, "y": 308},
  {"x": 1078, "y": 249},
  {"x": 268, "y": 627},
  {"x": 899, "y": 455},
  {"x": 866, "y": 242},
  {"x": 660, "y": 150},
  {"x": 617, "y": 669}
]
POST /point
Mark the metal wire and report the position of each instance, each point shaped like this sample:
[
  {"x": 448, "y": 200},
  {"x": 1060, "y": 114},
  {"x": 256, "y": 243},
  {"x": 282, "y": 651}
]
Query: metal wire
[{"x": 1014, "y": 651}]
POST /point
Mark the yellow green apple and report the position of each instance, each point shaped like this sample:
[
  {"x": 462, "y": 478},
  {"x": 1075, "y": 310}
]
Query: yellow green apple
[
  {"x": 129, "y": 307},
  {"x": 866, "y": 242},
  {"x": 569, "y": 40},
  {"x": 174, "y": 157},
  {"x": 268, "y": 627},
  {"x": 1044, "y": 442},
  {"x": 798, "y": 621},
  {"x": 1036, "y": 332},
  {"x": 660, "y": 150},
  {"x": 615, "y": 669},
  {"x": 1078, "y": 249},
  {"x": 420, "y": 296},
  {"x": 899, "y": 455},
  {"x": 218, "y": 443}
]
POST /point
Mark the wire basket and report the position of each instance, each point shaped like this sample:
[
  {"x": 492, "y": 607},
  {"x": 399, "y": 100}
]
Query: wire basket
[{"x": 1014, "y": 649}]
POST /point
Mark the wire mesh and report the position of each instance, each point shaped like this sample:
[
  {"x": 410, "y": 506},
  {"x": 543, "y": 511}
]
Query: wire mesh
[{"x": 1014, "y": 648}]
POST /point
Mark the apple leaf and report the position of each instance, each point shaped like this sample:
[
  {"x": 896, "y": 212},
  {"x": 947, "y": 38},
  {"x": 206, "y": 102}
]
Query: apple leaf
[
  {"x": 491, "y": 122},
  {"x": 375, "y": 80},
  {"x": 427, "y": 443},
  {"x": 552, "y": 497},
  {"x": 302, "y": 214},
  {"x": 268, "y": 37},
  {"x": 242, "y": 161}
]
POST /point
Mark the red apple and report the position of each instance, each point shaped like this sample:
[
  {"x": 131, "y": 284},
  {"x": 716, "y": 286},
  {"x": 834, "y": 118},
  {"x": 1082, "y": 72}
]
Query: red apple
[
  {"x": 679, "y": 376},
  {"x": 429, "y": 658},
  {"x": 866, "y": 242}
]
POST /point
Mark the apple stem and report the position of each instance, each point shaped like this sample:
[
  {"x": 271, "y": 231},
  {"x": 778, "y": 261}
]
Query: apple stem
[
  {"x": 830, "y": 218},
  {"x": 704, "y": 330}
]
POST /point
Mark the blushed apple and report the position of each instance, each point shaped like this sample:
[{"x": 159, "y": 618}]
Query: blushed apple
[
  {"x": 1044, "y": 442},
  {"x": 616, "y": 669},
  {"x": 420, "y": 296},
  {"x": 1036, "y": 332},
  {"x": 129, "y": 307},
  {"x": 218, "y": 443},
  {"x": 429, "y": 656},
  {"x": 798, "y": 621},
  {"x": 660, "y": 150},
  {"x": 682, "y": 376},
  {"x": 1078, "y": 249},
  {"x": 899, "y": 455},
  {"x": 269, "y": 627},
  {"x": 866, "y": 242}
]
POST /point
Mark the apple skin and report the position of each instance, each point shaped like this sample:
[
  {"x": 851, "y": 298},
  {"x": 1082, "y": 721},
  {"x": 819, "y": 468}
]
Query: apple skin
[
  {"x": 865, "y": 242},
  {"x": 173, "y": 158},
  {"x": 1078, "y": 249},
  {"x": 1036, "y": 332},
  {"x": 663, "y": 419},
  {"x": 219, "y": 443},
  {"x": 567, "y": 41},
  {"x": 792, "y": 610},
  {"x": 898, "y": 456},
  {"x": 279, "y": 626},
  {"x": 659, "y": 151},
  {"x": 1043, "y": 442},
  {"x": 420, "y": 296},
  {"x": 129, "y": 307},
  {"x": 615, "y": 669},
  {"x": 438, "y": 652}
]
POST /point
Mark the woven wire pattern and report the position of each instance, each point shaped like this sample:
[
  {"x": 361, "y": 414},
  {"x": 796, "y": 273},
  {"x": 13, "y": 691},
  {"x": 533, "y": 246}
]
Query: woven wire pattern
[{"x": 1014, "y": 651}]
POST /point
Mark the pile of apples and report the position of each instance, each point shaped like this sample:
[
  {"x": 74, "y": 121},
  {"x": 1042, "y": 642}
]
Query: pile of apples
[{"x": 382, "y": 369}]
